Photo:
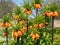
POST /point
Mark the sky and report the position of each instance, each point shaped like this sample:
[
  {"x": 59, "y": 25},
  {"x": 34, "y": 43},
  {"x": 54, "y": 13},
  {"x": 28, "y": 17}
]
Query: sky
[{"x": 18, "y": 2}]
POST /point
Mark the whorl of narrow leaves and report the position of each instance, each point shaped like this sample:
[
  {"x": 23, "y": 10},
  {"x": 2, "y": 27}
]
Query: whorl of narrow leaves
[
  {"x": 6, "y": 21},
  {"x": 37, "y": 1},
  {"x": 40, "y": 19},
  {"x": 17, "y": 10},
  {"x": 27, "y": 5},
  {"x": 16, "y": 26},
  {"x": 27, "y": 8},
  {"x": 6, "y": 18}
]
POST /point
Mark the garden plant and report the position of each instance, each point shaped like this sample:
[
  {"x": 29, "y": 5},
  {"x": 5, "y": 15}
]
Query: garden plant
[{"x": 24, "y": 27}]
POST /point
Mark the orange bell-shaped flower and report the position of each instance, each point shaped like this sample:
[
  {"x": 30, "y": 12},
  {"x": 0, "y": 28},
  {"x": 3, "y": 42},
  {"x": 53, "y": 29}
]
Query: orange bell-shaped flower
[
  {"x": 55, "y": 14},
  {"x": 4, "y": 34},
  {"x": 20, "y": 33},
  {"x": 3, "y": 24},
  {"x": 16, "y": 34},
  {"x": 25, "y": 10},
  {"x": 36, "y": 25},
  {"x": 33, "y": 36},
  {"x": 29, "y": 12},
  {"x": 37, "y": 6},
  {"x": 7, "y": 24},
  {"x": 15, "y": 17},
  {"x": 37, "y": 36}
]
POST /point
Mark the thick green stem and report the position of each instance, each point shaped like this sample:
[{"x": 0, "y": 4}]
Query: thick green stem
[
  {"x": 17, "y": 40},
  {"x": 52, "y": 29},
  {"x": 38, "y": 27},
  {"x": 7, "y": 36},
  {"x": 22, "y": 40},
  {"x": 36, "y": 13},
  {"x": 27, "y": 24},
  {"x": 46, "y": 24},
  {"x": 36, "y": 41},
  {"x": 18, "y": 36}
]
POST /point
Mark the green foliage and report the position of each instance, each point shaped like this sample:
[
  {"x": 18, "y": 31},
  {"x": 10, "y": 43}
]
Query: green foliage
[
  {"x": 39, "y": 19},
  {"x": 30, "y": 23},
  {"x": 46, "y": 8},
  {"x": 50, "y": 7},
  {"x": 45, "y": 37},
  {"x": 1, "y": 43},
  {"x": 28, "y": 41},
  {"x": 22, "y": 16},
  {"x": 17, "y": 10},
  {"x": 38, "y": 1},
  {"x": 16, "y": 26},
  {"x": 53, "y": 7},
  {"x": 27, "y": 5},
  {"x": 6, "y": 18}
]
